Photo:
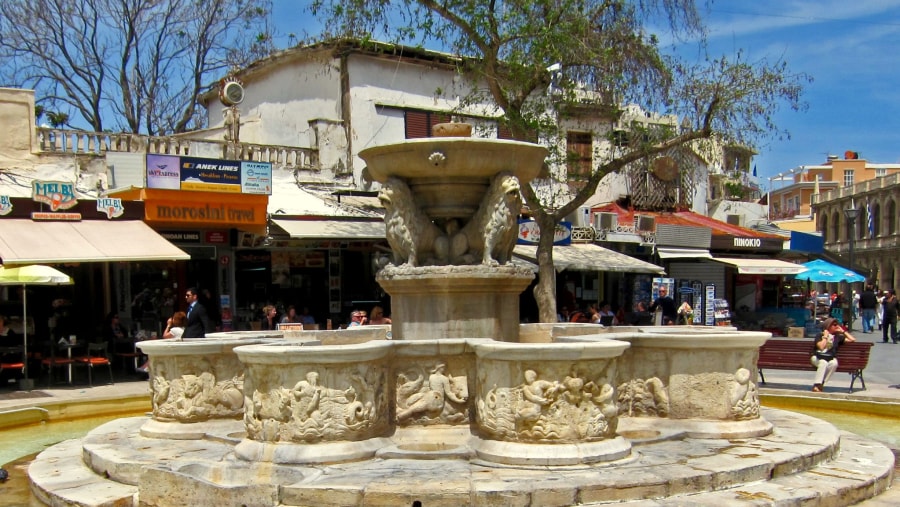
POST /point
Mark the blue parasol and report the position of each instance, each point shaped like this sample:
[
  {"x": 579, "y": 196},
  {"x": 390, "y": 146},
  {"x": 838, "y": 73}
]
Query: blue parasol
[{"x": 823, "y": 271}]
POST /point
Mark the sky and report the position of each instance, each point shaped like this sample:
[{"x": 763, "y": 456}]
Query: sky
[{"x": 850, "y": 49}]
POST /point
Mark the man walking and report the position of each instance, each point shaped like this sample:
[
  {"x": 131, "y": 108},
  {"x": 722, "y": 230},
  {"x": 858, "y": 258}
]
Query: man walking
[
  {"x": 197, "y": 321},
  {"x": 891, "y": 309},
  {"x": 867, "y": 303}
]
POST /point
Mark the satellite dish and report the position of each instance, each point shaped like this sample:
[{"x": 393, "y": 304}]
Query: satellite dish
[
  {"x": 231, "y": 93},
  {"x": 665, "y": 168}
]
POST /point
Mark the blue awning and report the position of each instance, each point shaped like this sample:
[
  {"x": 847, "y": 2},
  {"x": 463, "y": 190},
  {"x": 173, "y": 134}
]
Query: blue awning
[{"x": 806, "y": 243}]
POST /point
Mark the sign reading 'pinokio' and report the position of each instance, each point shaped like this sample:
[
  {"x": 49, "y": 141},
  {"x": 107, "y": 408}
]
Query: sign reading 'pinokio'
[
  {"x": 112, "y": 207},
  {"x": 58, "y": 194}
]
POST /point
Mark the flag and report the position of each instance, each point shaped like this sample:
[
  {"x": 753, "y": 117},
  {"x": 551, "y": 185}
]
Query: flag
[
  {"x": 754, "y": 169},
  {"x": 871, "y": 220}
]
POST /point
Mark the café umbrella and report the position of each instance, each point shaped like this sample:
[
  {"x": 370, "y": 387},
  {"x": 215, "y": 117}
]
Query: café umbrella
[
  {"x": 34, "y": 274},
  {"x": 823, "y": 271}
]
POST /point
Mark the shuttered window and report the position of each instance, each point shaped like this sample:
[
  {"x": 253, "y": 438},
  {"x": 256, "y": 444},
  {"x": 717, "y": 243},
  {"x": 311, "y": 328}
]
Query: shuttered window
[
  {"x": 579, "y": 155},
  {"x": 419, "y": 123}
]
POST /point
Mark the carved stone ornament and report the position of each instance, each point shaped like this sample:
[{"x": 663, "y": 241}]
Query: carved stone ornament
[
  {"x": 542, "y": 410},
  {"x": 432, "y": 397}
]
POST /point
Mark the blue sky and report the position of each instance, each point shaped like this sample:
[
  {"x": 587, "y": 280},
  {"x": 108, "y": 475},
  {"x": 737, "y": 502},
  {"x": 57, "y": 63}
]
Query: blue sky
[{"x": 851, "y": 49}]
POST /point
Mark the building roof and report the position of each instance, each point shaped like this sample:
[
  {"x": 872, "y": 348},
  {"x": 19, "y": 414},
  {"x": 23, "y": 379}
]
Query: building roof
[{"x": 691, "y": 218}]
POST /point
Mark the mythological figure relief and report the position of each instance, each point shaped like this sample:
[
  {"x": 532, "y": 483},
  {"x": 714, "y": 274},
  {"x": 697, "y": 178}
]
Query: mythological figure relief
[
  {"x": 487, "y": 238},
  {"x": 438, "y": 399},
  {"x": 573, "y": 409},
  {"x": 311, "y": 412},
  {"x": 647, "y": 398},
  {"x": 196, "y": 396},
  {"x": 744, "y": 396}
]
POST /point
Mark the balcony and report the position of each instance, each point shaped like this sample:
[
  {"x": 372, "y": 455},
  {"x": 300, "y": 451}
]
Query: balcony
[{"x": 79, "y": 142}]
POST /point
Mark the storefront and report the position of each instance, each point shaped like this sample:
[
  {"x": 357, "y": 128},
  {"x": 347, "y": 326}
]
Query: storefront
[{"x": 91, "y": 240}]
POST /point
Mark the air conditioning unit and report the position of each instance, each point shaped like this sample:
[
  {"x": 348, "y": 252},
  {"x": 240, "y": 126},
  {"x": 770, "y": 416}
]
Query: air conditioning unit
[
  {"x": 735, "y": 220},
  {"x": 582, "y": 217},
  {"x": 644, "y": 223},
  {"x": 606, "y": 221}
]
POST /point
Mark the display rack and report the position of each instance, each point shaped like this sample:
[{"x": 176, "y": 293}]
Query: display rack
[{"x": 722, "y": 312}]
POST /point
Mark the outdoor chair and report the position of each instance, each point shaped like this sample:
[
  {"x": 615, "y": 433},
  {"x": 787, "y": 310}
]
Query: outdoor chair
[
  {"x": 11, "y": 363},
  {"x": 97, "y": 355},
  {"x": 51, "y": 359}
]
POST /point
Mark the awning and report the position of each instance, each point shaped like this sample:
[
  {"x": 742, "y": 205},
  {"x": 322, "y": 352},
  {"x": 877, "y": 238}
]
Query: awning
[
  {"x": 666, "y": 252},
  {"x": 25, "y": 241},
  {"x": 332, "y": 229},
  {"x": 589, "y": 257},
  {"x": 762, "y": 266}
]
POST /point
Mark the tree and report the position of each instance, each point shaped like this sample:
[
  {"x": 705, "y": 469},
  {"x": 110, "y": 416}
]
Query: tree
[
  {"x": 136, "y": 65},
  {"x": 544, "y": 63}
]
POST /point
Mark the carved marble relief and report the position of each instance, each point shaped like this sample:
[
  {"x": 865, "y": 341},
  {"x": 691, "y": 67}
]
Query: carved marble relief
[
  {"x": 310, "y": 411},
  {"x": 643, "y": 398},
  {"x": 744, "y": 396},
  {"x": 434, "y": 396},
  {"x": 196, "y": 394},
  {"x": 567, "y": 409}
]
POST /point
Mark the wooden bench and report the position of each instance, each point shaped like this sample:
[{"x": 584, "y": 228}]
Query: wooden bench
[{"x": 781, "y": 354}]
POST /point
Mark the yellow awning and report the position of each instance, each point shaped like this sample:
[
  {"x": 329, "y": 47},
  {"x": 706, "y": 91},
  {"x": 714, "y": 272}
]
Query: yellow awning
[{"x": 24, "y": 241}]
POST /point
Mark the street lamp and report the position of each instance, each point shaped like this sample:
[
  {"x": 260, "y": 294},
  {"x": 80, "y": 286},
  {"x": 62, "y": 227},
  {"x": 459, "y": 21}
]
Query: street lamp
[{"x": 852, "y": 213}]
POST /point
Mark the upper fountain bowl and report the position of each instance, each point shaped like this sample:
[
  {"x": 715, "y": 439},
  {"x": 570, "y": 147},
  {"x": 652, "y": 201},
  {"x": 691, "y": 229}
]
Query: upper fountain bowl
[{"x": 449, "y": 175}]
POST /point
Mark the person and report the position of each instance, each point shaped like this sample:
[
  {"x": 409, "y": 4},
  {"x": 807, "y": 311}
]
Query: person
[
  {"x": 174, "y": 331},
  {"x": 270, "y": 318},
  {"x": 824, "y": 357},
  {"x": 305, "y": 316},
  {"x": 8, "y": 337},
  {"x": 867, "y": 305},
  {"x": 879, "y": 309},
  {"x": 113, "y": 331},
  {"x": 376, "y": 316},
  {"x": 175, "y": 326},
  {"x": 666, "y": 304},
  {"x": 855, "y": 303},
  {"x": 890, "y": 307},
  {"x": 357, "y": 318},
  {"x": 291, "y": 316},
  {"x": 593, "y": 313},
  {"x": 607, "y": 317},
  {"x": 563, "y": 315},
  {"x": 197, "y": 321}
]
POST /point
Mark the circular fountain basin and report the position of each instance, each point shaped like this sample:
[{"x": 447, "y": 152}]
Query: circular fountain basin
[{"x": 450, "y": 175}]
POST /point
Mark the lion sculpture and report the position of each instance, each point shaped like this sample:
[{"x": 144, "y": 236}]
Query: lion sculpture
[
  {"x": 491, "y": 233},
  {"x": 413, "y": 237}
]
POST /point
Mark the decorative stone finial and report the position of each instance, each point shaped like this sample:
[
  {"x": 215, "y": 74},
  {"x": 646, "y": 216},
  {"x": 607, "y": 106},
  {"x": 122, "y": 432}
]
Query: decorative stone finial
[{"x": 452, "y": 129}]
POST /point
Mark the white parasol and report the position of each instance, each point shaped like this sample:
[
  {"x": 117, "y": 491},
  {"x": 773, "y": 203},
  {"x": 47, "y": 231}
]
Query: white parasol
[{"x": 34, "y": 274}]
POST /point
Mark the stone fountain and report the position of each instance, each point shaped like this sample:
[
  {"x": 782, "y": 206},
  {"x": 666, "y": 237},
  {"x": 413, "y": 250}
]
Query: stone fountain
[{"x": 459, "y": 404}]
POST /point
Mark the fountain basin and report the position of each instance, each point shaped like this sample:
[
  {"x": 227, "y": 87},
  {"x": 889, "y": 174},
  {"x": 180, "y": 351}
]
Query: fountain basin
[{"x": 450, "y": 175}]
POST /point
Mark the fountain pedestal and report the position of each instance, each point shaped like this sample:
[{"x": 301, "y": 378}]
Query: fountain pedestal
[{"x": 455, "y": 301}]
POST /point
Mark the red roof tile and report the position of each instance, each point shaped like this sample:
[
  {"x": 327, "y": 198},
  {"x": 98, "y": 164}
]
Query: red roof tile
[{"x": 690, "y": 218}]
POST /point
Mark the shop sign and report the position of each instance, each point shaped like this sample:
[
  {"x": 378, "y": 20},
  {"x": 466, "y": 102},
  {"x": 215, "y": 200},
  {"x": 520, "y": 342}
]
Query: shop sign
[
  {"x": 163, "y": 171},
  {"x": 181, "y": 236},
  {"x": 745, "y": 243},
  {"x": 6, "y": 206},
  {"x": 530, "y": 233},
  {"x": 217, "y": 237},
  {"x": 203, "y": 212},
  {"x": 111, "y": 206},
  {"x": 210, "y": 174},
  {"x": 256, "y": 178},
  {"x": 58, "y": 194}
]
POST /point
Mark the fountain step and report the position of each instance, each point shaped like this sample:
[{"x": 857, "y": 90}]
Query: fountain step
[
  {"x": 805, "y": 460},
  {"x": 59, "y": 476},
  {"x": 862, "y": 472}
]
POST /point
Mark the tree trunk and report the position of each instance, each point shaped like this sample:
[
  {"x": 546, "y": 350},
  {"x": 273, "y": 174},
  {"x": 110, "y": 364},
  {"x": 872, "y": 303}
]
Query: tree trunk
[{"x": 545, "y": 290}]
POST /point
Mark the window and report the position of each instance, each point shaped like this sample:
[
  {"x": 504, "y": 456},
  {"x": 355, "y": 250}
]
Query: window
[
  {"x": 579, "y": 155},
  {"x": 419, "y": 123},
  {"x": 848, "y": 177},
  {"x": 891, "y": 217},
  {"x": 504, "y": 132},
  {"x": 880, "y": 171}
]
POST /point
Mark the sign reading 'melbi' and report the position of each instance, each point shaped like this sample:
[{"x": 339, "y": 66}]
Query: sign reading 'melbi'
[{"x": 58, "y": 194}]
